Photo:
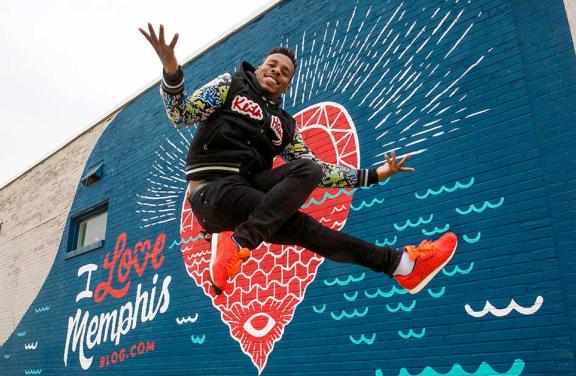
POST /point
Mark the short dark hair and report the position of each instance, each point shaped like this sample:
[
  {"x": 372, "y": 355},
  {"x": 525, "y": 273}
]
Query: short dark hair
[{"x": 284, "y": 51}]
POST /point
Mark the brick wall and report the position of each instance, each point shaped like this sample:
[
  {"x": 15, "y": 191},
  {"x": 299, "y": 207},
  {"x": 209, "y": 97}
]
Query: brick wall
[
  {"x": 481, "y": 95},
  {"x": 34, "y": 208},
  {"x": 571, "y": 13}
]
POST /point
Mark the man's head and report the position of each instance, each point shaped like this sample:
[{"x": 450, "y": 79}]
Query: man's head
[{"x": 276, "y": 71}]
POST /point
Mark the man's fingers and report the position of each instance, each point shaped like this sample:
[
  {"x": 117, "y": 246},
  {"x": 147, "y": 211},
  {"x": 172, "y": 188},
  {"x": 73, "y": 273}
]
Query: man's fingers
[
  {"x": 387, "y": 158},
  {"x": 404, "y": 160},
  {"x": 153, "y": 37},
  {"x": 145, "y": 35},
  {"x": 396, "y": 166},
  {"x": 161, "y": 35},
  {"x": 174, "y": 40}
]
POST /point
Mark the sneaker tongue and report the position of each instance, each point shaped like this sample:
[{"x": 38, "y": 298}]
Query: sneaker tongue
[
  {"x": 412, "y": 252},
  {"x": 426, "y": 247}
]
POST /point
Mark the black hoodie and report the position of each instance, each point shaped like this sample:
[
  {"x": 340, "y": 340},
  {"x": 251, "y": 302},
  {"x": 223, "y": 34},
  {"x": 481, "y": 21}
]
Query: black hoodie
[{"x": 243, "y": 136}]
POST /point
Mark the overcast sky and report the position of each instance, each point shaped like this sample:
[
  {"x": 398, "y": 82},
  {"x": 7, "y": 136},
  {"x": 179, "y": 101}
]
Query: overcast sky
[{"x": 67, "y": 63}]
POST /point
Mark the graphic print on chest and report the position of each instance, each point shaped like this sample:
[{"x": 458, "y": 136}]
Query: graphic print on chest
[
  {"x": 246, "y": 106},
  {"x": 276, "y": 126}
]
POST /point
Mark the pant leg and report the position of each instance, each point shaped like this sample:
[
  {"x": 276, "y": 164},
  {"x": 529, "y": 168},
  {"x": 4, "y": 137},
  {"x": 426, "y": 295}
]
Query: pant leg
[
  {"x": 286, "y": 189},
  {"x": 228, "y": 202},
  {"x": 225, "y": 203},
  {"x": 305, "y": 231}
]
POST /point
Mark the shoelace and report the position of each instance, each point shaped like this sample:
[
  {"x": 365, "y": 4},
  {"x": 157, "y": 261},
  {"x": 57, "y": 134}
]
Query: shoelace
[
  {"x": 239, "y": 257},
  {"x": 424, "y": 248}
]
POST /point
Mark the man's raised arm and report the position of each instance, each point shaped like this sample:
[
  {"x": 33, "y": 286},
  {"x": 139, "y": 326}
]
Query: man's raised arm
[{"x": 183, "y": 109}]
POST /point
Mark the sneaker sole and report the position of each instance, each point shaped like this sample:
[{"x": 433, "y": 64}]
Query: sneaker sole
[{"x": 427, "y": 280}]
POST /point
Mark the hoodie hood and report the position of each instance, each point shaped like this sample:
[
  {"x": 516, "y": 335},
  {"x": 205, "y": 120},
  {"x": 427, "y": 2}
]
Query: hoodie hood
[{"x": 248, "y": 72}]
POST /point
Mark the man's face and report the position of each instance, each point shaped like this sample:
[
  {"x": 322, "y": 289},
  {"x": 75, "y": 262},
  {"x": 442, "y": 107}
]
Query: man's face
[{"x": 275, "y": 74}]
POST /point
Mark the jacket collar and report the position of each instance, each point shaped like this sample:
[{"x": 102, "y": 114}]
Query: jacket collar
[{"x": 247, "y": 71}]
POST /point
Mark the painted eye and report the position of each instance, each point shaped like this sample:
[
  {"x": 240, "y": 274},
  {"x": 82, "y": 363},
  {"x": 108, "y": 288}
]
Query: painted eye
[{"x": 261, "y": 320}]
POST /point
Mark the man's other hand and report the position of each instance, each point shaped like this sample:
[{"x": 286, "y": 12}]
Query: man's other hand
[{"x": 392, "y": 166}]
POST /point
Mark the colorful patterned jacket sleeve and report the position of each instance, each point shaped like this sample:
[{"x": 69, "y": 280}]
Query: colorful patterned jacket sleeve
[
  {"x": 334, "y": 176},
  {"x": 184, "y": 110}
]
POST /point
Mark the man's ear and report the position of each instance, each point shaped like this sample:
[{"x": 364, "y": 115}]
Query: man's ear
[{"x": 287, "y": 88}]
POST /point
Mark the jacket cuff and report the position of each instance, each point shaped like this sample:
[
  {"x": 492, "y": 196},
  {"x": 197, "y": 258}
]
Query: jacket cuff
[
  {"x": 173, "y": 83},
  {"x": 367, "y": 177}
]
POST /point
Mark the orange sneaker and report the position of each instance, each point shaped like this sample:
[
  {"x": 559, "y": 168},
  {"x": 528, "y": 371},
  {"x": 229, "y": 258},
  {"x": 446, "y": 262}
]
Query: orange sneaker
[
  {"x": 429, "y": 258},
  {"x": 225, "y": 260}
]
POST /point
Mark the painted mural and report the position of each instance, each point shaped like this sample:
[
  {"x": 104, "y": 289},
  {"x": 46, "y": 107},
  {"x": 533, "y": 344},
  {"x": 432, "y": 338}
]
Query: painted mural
[
  {"x": 373, "y": 77},
  {"x": 273, "y": 281}
]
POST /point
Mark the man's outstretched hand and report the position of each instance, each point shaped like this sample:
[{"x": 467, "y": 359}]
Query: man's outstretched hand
[
  {"x": 164, "y": 51},
  {"x": 392, "y": 166}
]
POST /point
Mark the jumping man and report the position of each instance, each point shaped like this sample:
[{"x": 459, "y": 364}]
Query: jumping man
[{"x": 239, "y": 198}]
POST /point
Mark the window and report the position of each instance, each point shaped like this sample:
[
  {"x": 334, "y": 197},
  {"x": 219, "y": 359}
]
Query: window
[
  {"x": 93, "y": 175},
  {"x": 92, "y": 230},
  {"x": 88, "y": 230}
]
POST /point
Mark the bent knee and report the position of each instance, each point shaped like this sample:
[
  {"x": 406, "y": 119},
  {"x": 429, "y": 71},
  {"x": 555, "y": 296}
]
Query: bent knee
[{"x": 311, "y": 169}]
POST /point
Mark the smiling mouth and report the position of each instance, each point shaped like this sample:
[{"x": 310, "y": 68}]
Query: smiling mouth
[{"x": 273, "y": 79}]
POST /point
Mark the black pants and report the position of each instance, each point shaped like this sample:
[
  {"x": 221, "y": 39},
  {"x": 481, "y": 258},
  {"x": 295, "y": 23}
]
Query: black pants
[{"x": 265, "y": 208}]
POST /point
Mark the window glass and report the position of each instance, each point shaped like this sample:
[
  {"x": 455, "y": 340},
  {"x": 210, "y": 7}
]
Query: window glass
[{"x": 92, "y": 229}]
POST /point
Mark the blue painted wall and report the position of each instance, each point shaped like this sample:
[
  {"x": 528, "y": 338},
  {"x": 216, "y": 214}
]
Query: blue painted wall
[{"x": 482, "y": 92}]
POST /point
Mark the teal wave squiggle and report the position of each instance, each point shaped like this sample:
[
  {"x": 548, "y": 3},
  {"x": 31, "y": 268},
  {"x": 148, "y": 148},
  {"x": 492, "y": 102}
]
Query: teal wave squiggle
[
  {"x": 32, "y": 371},
  {"x": 408, "y": 223},
  {"x": 326, "y": 196},
  {"x": 383, "y": 182},
  {"x": 436, "y": 230},
  {"x": 388, "y": 294},
  {"x": 437, "y": 294},
  {"x": 485, "y": 205},
  {"x": 363, "y": 339},
  {"x": 443, "y": 188},
  {"x": 457, "y": 370},
  {"x": 352, "y": 297},
  {"x": 42, "y": 309},
  {"x": 319, "y": 310},
  {"x": 345, "y": 282},
  {"x": 197, "y": 339},
  {"x": 21, "y": 333},
  {"x": 7, "y": 356},
  {"x": 402, "y": 307},
  {"x": 411, "y": 333},
  {"x": 177, "y": 243},
  {"x": 364, "y": 204},
  {"x": 457, "y": 270},
  {"x": 347, "y": 315},
  {"x": 386, "y": 242},
  {"x": 473, "y": 240},
  {"x": 341, "y": 191}
]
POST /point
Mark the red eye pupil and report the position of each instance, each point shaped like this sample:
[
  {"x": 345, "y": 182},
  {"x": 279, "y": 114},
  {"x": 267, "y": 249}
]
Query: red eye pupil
[{"x": 259, "y": 322}]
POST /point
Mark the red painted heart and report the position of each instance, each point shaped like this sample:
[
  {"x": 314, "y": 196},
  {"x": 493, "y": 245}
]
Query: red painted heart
[{"x": 273, "y": 281}]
